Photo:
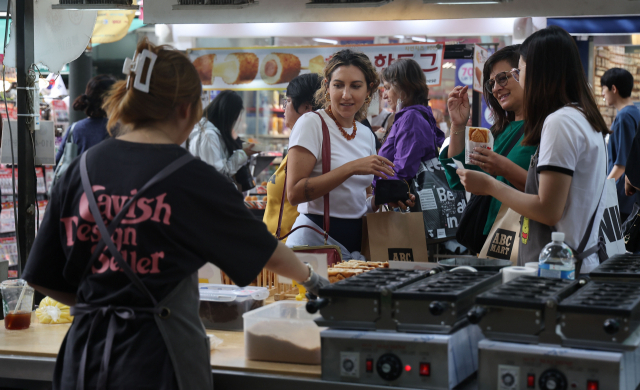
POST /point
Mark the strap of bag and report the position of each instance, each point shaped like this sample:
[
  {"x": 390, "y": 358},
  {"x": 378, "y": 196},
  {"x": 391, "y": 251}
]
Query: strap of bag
[
  {"x": 513, "y": 142},
  {"x": 580, "y": 253},
  {"x": 326, "y": 167},
  {"x": 105, "y": 233}
]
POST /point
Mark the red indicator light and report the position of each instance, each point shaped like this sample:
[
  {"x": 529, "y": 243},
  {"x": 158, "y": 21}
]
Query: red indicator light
[
  {"x": 369, "y": 365},
  {"x": 407, "y": 368},
  {"x": 425, "y": 369},
  {"x": 531, "y": 381},
  {"x": 592, "y": 385}
]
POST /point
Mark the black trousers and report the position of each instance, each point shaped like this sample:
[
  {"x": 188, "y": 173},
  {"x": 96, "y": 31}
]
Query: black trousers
[{"x": 348, "y": 232}]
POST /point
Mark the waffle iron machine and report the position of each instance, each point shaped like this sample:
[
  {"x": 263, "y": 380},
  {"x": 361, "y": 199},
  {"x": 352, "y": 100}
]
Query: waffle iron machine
[
  {"x": 401, "y": 328},
  {"x": 552, "y": 334}
]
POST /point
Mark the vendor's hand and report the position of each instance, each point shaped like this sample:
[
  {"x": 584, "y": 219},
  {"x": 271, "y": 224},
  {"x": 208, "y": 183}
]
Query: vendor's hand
[
  {"x": 372, "y": 165},
  {"x": 406, "y": 204},
  {"x": 314, "y": 285},
  {"x": 629, "y": 190},
  {"x": 475, "y": 182},
  {"x": 458, "y": 104},
  {"x": 249, "y": 150},
  {"x": 489, "y": 161}
]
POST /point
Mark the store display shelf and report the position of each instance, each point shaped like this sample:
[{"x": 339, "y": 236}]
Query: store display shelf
[
  {"x": 202, "y": 7},
  {"x": 96, "y": 7}
]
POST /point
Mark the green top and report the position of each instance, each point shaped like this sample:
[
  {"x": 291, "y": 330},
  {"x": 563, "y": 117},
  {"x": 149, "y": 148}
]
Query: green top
[{"x": 521, "y": 155}]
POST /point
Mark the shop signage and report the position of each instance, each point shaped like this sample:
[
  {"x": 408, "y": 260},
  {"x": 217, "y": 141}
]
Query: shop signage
[
  {"x": 480, "y": 56},
  {"x": 271, "y": 68},
  {"x": 112, "y": 26},
  {"x": 44, "y": 143}
]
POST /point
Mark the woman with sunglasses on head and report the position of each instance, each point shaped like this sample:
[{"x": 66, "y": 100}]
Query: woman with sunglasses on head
[
  {"x": 505, "y": 96},
  {"x": 414, "y": 136},
  {"x": 566, "y": 176},
  {"x": 349, "y": 82}
]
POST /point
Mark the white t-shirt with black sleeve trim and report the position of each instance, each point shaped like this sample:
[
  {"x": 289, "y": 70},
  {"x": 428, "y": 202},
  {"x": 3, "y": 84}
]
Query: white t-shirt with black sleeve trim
[
  {"x": 348, "y": 200},
  {"x": 571, "y": 146}
]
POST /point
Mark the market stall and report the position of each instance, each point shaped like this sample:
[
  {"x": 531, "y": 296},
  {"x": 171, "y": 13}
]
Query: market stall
[{"x": 442, "y": 330}]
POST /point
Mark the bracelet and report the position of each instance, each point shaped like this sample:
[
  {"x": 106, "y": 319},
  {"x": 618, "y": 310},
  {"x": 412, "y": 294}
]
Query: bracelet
[{"x": 310, "y": 273}]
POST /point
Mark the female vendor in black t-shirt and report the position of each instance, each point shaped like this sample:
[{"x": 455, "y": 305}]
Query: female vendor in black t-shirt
[{"x": 135, "y": 302}]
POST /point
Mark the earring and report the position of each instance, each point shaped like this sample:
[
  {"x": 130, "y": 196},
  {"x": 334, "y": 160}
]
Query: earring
[
  {"x": 327, "y": 97},
  {"x": 367, "y": 100}
]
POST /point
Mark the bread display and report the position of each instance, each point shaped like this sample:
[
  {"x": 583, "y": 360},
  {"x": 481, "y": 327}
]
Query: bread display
[
  {"x": 238, "y": 68},
  {"x": 477, "y": 134},
  {"x": 204, "y": 66},
  {"x": 278, "y": 68},
  {"x": 316, "y": 64}
]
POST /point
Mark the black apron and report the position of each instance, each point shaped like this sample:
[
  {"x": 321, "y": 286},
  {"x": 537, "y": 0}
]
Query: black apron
[
  {"x": 176, "y": 315},
  {"x": 534, "y": 236}
]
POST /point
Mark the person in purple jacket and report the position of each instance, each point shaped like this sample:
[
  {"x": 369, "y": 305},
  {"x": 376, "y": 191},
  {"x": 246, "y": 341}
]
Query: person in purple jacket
[{"x": 414, "y": 136}]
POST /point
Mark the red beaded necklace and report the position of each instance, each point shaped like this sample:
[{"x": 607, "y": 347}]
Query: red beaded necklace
[{"x": 346, "y": 135}]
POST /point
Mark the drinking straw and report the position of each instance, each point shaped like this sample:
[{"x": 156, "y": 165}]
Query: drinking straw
[{"x": 24, "y": 288}]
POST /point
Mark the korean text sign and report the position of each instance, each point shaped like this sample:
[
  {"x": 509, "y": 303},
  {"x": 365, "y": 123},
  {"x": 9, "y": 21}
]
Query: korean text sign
[{"x": 264, "y": 68}]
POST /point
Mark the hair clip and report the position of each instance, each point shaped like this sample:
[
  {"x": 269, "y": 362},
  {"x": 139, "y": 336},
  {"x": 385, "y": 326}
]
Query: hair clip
[{"x": 136, "y": 66}]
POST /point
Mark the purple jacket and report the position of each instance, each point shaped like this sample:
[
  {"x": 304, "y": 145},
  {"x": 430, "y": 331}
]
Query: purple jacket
[{"x": 412, "y": 139}]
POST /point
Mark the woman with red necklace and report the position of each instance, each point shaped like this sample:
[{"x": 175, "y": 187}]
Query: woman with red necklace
[{"x": 350, "y": 80}]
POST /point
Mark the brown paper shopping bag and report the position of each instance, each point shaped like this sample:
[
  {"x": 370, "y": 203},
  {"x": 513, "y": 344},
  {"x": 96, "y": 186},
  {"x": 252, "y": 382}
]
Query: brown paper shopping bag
[
  {"x": 502, "y": 241},
  {"x": 394, "y": 236}
]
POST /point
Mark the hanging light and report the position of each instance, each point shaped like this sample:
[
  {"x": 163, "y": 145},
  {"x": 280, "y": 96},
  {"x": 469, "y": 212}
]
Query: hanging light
[
  {"x": 464, "y": 2},
  {"x": 96, "y": 5},
  {"x": 346, "y": 3},
  {"x": 213, "y": 4}
]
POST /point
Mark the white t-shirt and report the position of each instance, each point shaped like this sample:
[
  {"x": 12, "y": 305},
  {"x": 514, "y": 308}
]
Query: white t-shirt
[
  {"x": 570, "y": 145},
  {"x": 348, "y": 200}
]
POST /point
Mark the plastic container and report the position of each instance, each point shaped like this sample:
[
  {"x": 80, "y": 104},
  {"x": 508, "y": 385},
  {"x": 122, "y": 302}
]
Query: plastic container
[
  {"x": 282, "y": 332},
  {"x": 222, "y": 305},
  {"x": 556, "y": 259},
  {"x": 17, "y": 304}
]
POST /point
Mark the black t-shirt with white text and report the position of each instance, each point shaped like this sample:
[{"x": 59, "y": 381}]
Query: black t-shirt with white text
[{"x": 193, "y": 216}]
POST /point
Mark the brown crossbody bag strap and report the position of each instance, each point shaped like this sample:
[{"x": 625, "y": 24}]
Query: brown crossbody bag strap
[{"x": 326, "y": 167}]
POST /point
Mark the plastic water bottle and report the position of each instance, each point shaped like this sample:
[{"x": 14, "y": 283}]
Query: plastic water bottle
[{"x": 556, "y": 259}]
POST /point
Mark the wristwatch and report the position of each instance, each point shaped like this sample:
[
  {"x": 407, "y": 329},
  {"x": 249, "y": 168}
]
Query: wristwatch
[{"x": 310, "y": 273}]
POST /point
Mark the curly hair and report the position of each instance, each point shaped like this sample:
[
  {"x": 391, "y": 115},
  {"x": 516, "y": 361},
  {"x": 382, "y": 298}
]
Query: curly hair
[{"x": 348, "y": 57}]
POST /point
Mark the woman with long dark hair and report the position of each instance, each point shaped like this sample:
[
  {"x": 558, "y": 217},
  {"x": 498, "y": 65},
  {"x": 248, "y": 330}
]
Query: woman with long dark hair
[
  {"x": 414, "y": 136},
  {"x": 505, "y": 96},
  {"x": 212, "y": 138},
  {"x": 92, "y": 130},
  {"x": 566, "y": 176}
]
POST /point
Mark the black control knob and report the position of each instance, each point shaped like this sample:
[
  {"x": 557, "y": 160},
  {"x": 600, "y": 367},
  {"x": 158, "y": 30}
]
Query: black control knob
[
  {"x": 389, "y": 367},
  {"x": 611, "y": 326},
  {"x": 552, "y": 380},
  {"x": 475, "y": 315},
  {"x": 437, "y": 308},
  {"x": 314, "y": 305}
]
